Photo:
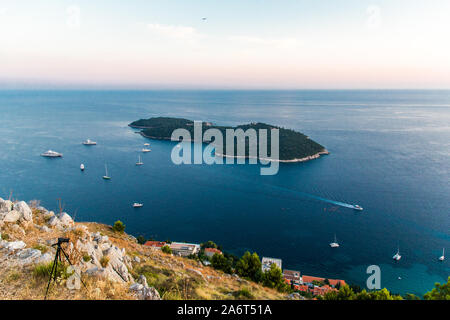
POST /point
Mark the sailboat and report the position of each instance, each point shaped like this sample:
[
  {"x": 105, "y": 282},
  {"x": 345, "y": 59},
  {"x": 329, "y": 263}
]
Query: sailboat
[
  {"x": 397, "y": 256},
  {"x": 106, "y": 177},
  {"x": 442, "y": 258},
  {"x": 139, "y": 163},
  {"x": 334, "y": 244}
]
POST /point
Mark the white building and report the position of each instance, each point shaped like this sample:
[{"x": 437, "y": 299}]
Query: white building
[
  {"x": 267, "y": 262},
  {"x": 184, "y": 249}
]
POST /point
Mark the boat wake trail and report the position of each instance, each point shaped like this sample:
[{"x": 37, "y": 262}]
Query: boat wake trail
[{"x": 311, "y": 196}]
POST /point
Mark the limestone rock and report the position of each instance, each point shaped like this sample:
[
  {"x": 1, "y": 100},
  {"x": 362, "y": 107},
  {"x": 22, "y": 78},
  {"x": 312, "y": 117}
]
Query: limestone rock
[
  {"x": 24, "y": 210},
  {"x": 65, "y": 220},
  {"x": 15, "y": 245},
  {"x": 5, "y": 206},
  {"x": 144, "y": 292},
  {"x": 12, "y": 216},
  {"x": 28, "y": 256},
  {"x": 44, "y": 258}
]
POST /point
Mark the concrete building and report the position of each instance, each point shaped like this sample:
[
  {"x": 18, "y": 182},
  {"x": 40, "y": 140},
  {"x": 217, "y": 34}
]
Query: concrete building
[
  {"x": 292, "y": 277},
  {"x": 184, "y": 249},
  {"x": 267, "y": 262}
]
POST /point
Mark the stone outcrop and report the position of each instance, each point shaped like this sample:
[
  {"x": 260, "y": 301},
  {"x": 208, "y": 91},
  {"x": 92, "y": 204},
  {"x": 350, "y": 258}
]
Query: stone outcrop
[
  {"x": 101, "y": 258},
  {"x": 143, "y": 291}
]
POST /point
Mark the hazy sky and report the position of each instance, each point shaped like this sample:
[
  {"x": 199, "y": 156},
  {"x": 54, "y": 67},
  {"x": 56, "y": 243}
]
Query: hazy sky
[{"x": 282, "y": 44}]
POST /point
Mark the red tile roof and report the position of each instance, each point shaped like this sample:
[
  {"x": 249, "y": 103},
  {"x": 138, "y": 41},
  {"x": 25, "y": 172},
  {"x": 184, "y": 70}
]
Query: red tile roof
[
  {"x": 214, "y": 250},
  {"x": 333, "y": 282},
  {"x": 303, "y": 288},
  {"x": 158, "y": 244}
]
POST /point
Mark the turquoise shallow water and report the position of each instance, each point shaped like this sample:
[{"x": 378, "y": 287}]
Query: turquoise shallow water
[{"x": 389, "y": 153}]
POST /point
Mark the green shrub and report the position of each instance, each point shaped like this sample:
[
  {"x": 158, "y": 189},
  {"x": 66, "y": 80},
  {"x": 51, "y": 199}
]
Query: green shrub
[
  {"x": 220, "y": 262},
  {"x": 243, "y": 293},
  {"x": 166, "y": 249},
  {"x": 273, "y": 278},
  {"x": 86, "y": 258},
  {"x": 118, "y": 226},
  {"x": 141, "y": 239},
  {"x": 44, "y": 270},
  {"x": 249, "y": 266}
]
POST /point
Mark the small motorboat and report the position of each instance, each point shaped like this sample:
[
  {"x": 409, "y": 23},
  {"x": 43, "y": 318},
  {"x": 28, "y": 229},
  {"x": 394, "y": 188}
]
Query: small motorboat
[
  {"x": 146, "y": 144},
  {"x": 137, "y": 205},
  {"x": 145, "y": 150},
  {"x": 52, "y": 154},
  {"x": 82, "y": 167},
  {"x": 357, "y": 207},
  {"x": 89, "y": 142}
]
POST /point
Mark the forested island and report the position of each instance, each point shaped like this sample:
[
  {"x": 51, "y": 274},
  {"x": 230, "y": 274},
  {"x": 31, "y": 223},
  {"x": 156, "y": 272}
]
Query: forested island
[{"x": 294, "y": 146}]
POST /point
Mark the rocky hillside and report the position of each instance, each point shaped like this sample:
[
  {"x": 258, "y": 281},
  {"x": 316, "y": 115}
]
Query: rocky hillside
[{"x": 111, "y": 264}]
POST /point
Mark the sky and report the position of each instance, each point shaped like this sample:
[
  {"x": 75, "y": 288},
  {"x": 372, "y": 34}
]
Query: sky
[{"x": 242, "y": 44}]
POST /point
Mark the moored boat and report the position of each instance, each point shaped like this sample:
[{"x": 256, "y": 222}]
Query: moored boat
[
  {"x": 89, "y": 142},
  {"x": 51, "y": 154}
]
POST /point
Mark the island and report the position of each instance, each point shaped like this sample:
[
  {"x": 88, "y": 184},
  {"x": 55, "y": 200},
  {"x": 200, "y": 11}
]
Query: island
[{"x": 294, "y": 146}]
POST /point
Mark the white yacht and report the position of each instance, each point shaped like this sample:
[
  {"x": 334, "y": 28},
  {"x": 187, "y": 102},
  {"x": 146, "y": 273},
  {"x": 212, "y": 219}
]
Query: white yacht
[
  {"x": 139, "y": 163},
  {"x": 357, "y": 207},
  {"x": 334, "y": 244},
  {"x": 137, "y": 205},
  {"x": 146, "y": 144},
  {"x": 89, "y": 142},
  {"x": 106, "y": 177},
  {"x": 52, "y": 154},
  {"x": 145, "y": 150},
  {"x": 82, "y": 167},
  {"x": 397, "y": 256},
  {"x": 442, "y": 258}
]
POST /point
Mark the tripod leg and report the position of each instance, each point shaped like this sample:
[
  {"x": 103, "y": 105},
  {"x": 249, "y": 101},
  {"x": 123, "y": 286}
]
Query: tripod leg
[
  {"x": 55, "y": 264},
  {"x": 68, "y": 260}
]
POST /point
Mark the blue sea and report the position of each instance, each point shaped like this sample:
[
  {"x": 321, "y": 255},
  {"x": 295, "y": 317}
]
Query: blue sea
[{"x": 389, "y": 152}]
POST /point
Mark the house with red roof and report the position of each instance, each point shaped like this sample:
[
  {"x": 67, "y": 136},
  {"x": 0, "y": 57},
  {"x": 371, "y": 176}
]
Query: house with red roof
[
  {"x": 155, "y": 244},
  {"x": 291, "y": 276},
  {"x": 209, "y": 252},
  {"x": 308, "y": 280}
]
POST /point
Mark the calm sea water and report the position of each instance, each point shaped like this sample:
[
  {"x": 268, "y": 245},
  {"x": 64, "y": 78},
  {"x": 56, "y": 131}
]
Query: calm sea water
[{"x": 389, "y": 153}]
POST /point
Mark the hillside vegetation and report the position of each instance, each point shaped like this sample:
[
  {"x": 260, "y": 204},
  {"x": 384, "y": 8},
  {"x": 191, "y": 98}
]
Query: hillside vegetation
[{"x": 112, "y": 264}]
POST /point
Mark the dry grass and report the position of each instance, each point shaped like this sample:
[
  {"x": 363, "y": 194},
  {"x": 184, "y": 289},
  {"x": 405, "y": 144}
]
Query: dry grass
[{"x": 167, "y": 273}]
